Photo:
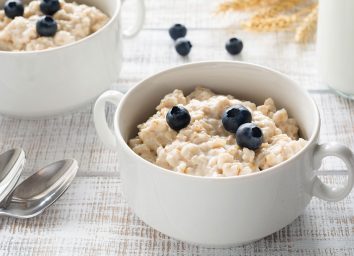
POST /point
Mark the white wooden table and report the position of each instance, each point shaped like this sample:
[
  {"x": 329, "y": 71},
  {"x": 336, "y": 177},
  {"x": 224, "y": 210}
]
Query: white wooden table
[{"x": 92, "y": 218}]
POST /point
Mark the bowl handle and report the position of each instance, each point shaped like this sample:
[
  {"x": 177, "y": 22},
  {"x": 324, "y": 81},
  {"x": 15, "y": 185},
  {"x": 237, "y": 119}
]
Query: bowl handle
[
  {"x": 139, "y": 21},
  {"x": 333, "y": 193},
  {"x": 99, "y": 116}
]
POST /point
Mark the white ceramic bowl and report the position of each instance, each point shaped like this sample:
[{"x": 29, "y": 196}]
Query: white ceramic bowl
[
  {"x": 220, "y": 211},
  {"x": 42, "y": 83}
]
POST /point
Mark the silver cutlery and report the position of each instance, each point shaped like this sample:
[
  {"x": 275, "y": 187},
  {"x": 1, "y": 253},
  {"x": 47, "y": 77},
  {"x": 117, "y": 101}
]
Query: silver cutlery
[
  {"x": 36, "y": 193},
  {"x": 11, "y": 166}
]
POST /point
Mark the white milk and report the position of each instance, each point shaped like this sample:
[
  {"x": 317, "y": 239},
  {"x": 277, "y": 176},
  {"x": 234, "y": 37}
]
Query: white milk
[{"x": 335, "y": 45}]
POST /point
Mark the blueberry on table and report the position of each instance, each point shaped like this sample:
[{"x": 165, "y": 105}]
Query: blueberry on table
[
  {"x": 234, "y": 46},
  {"x": 13, "y": 8},
  {"x": 249, "y": 136},
  {"x": 46, "y": 26},
  {"x": 49, "y": 7},
  {"x": 178, "y": 118},
  {"x": 235, "y": 116},
  {"x": 177, "y": 31},
  {"x": 183, "y": 46}
]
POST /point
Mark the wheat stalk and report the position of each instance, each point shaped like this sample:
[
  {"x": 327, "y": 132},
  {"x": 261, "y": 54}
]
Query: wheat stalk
[
  {"x": 239, "y": 5},
  {"x": 306, "y": 29},
  {"x": 277, "y": 15},
  {"x": 278, "y": 23},
  {"x": 276, "y": 9}
]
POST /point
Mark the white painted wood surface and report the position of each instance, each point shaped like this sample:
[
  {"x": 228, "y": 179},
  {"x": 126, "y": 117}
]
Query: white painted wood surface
[{"x": 92, "y": 218}]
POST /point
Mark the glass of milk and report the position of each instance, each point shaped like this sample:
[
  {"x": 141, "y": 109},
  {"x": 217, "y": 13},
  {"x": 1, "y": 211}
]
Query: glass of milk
[{"x": 335, "y": 45}]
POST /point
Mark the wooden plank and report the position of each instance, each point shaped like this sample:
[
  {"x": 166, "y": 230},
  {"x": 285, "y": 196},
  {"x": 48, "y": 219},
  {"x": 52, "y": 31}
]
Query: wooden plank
[
  {"x": 153, "y": 51},
  {"x": 92, "y": 218},
  {"x": 68, "y": 136},
  {"x": 193, "y": 13},
  {"x": 337, "y": 115}
]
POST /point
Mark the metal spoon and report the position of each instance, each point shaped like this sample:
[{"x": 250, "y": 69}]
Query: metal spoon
[
  {"x": 11, "y": 166},
  {"x": 39, "y": 191}
]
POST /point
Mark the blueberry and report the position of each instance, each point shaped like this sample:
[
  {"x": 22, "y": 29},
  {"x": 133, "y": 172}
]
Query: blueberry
[
  {"x": 183, "y": 46},
  {"x": 178, "y": 118},
  {"x": 49, "y": 7},
  {"x": 177, "y": 31},
  {"x": 13, "y": 8},
  {"x": 234, "y": 46},
  {"x": 46, "y": 26},
  {"x": 235, "y": 116},
  {"x": 249, "y": 136}
]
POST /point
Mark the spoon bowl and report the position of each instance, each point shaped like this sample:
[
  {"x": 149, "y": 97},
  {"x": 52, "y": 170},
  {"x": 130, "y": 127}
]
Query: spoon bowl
[{"x": 32, "y": 196}]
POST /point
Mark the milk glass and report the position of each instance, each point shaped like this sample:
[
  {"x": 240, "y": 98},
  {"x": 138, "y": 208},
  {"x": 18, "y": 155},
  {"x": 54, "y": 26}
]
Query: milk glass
[{"x": 335, "y": 45}]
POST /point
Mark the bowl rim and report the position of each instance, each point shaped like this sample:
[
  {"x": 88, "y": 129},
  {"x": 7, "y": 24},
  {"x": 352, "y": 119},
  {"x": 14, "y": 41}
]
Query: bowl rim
[
  {"x": 269, "y": 171},
  {"x": 72, "y": 44}
]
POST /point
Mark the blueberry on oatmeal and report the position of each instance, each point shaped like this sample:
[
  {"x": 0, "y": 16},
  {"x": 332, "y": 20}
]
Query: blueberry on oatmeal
[
  {"x": 178, "y": 118},
  {"x": 49, "y": 7},
  {"x": 249, "y": 136},
  {"x": 46, "y": 26},
  {"x": 13, "y": 8},
  {"x": 235, "y": 116}
]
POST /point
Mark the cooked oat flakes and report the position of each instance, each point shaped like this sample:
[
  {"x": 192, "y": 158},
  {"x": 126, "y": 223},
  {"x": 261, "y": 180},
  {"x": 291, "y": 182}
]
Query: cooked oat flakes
[
  {"x": 205, "y": 148},
  {"x": 75, "y": 21}
]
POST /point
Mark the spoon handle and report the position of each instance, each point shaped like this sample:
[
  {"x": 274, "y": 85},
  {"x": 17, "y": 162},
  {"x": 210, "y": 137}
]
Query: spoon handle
[
  {"x": 15, "y": 165},
  {"x": 3, "y": 213}
]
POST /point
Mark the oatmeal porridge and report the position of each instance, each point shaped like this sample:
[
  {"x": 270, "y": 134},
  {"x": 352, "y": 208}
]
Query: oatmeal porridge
[
  {"x": 204, "y": 147},
  {"x": 72, "y": 22}
]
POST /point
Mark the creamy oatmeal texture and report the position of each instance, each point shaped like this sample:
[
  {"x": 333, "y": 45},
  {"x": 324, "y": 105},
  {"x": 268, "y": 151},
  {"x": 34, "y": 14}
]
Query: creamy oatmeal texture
[
  {"x": 204, "y": 147},
  {"x": 75, "y": 21}
]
